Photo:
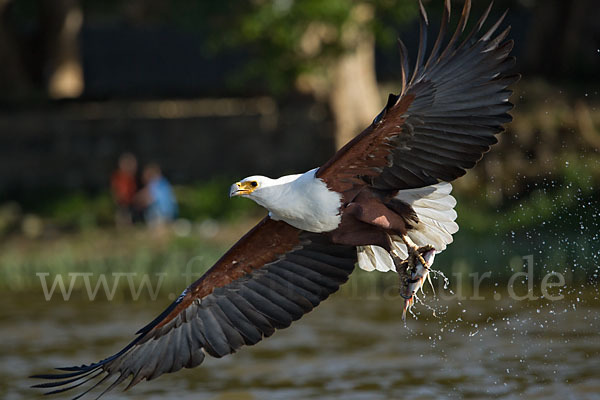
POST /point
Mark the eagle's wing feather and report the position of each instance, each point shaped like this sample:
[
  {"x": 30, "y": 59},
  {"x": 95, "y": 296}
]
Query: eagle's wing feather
[
  {"x": 444, "y": 120},
  {"x": 271, "y": 277}
]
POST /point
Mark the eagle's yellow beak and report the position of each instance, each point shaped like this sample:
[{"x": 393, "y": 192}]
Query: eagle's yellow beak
[{"x": 242, "y": 188}]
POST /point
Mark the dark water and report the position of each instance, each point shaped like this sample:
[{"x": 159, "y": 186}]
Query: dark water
[{"x": 348, "y": 348}]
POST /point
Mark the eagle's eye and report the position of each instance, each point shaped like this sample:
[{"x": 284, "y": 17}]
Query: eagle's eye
[{"x": 254, "y": 184}]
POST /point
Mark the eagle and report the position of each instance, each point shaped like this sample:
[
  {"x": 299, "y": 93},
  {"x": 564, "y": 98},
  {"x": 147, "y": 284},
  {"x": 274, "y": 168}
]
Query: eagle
[{"x": 383, "y": 201}]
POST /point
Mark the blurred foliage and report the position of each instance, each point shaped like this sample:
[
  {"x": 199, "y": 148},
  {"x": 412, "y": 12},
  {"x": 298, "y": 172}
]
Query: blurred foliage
[
  {"x": 276, "y": 41},
  {"x": 209, "y": 200},
  {"x": 285, "y": 39},
  {"x": 281, "y": 39},
  {"x": 546, "y": 165},
  {"x": 79, "y": 211},
  {"x": 552, "y": 146},
  {"x": 134, "y": 251}
]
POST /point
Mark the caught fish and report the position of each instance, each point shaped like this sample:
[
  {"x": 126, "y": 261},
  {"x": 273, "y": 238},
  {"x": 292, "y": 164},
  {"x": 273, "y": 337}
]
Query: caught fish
[{"x": 413, "y": 274}]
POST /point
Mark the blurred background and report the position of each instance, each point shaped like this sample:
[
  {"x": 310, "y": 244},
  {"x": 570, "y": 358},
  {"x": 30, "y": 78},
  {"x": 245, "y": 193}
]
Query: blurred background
[{"x": 123, "y": 123}]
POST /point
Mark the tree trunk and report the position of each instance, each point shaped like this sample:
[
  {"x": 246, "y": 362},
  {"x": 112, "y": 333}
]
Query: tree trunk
[
  {"x": 349, "y": 84},
  {"x": 61, "y": 26},
  {"x": 354, "y": 96}
]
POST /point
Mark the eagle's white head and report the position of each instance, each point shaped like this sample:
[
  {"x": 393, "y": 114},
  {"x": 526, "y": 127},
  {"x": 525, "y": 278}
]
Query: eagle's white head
[
  {"x": 301, "y": 200},
  {"x": 263, "y": 190},
  {"x": 250, "y": 187}
]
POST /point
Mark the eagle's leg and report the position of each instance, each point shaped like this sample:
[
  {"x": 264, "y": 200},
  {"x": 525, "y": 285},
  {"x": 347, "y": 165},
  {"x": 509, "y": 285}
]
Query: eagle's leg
[
  {"x": 354, "y": 232},
  {"x": 414, "y": 251},
  {"x": 391, "y": 216}
]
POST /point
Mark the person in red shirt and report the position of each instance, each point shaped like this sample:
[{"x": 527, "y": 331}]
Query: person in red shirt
[{"x": 124, "y": 187}]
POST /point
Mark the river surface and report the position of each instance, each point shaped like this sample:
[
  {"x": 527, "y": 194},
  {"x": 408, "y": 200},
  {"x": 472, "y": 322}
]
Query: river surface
[{"x": 348, "y": 348}]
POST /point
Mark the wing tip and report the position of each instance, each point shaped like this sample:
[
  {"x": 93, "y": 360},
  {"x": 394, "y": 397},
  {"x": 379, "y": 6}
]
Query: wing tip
[{"x": 423, "y": 13}]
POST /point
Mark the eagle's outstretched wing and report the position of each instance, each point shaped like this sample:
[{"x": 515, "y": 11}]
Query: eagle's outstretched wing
[
  {"x": 444, "y": 119},
  {"x": 271, "y": 277}
]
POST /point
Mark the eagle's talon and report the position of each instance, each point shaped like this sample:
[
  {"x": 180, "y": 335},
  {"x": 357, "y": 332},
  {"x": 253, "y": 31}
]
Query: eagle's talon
[{"x": 415, "y": 252}]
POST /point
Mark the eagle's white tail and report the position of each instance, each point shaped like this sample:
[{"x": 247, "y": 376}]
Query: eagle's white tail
[{"x": 435, "y": 208}]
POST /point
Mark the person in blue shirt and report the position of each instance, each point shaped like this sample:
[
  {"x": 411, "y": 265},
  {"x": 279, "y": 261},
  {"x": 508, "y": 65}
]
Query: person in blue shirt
[{"x": 158, "y": 197}]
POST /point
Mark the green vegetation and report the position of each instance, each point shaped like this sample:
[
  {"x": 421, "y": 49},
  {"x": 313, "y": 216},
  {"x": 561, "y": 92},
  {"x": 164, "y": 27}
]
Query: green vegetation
[
  {"x": 80, "y": 211},
  {"x": 106, "y": 251},
  {"x": 291, "y": 38},
  {"x": 209, "y": 200}
]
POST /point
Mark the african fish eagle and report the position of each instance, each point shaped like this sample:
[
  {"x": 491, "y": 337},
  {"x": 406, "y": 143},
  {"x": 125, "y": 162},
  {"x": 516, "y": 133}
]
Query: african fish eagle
[{"x": 382, "y": 199}]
